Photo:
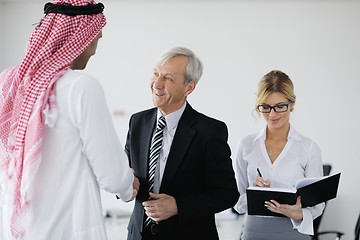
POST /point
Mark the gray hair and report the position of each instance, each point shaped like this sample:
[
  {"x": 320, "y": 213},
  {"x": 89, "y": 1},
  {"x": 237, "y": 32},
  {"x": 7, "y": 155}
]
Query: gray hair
[{"x": 194, "y": 67}]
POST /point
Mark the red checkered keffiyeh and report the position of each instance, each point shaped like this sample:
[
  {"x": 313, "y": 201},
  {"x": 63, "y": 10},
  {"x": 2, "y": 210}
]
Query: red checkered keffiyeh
[{"x": 27, "y": 90}]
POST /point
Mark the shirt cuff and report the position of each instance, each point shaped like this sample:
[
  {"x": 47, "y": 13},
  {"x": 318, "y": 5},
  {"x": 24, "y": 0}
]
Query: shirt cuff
[
  {"x": 305, "y": 226},
  {"x": 126, "y": 194}
]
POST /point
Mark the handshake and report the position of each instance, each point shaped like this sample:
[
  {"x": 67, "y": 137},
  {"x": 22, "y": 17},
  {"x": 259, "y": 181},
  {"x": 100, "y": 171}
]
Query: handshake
[{"x": 136, "y": 186}]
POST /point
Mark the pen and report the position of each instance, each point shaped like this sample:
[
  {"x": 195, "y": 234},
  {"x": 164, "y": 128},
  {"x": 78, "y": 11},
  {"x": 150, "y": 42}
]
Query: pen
[{"x": 258, "y": 170}]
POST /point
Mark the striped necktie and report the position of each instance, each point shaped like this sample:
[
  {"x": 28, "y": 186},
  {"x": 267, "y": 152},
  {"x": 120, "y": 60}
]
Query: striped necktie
[{"x": 155, "y": 148}]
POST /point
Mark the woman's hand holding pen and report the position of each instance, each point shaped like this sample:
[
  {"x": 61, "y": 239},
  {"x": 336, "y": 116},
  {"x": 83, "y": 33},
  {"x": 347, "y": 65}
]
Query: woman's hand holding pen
[{"x": 260, "y": 182}]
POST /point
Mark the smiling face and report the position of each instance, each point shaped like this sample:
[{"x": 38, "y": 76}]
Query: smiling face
[
  {"x": 277, "y": 120},
  {"x": 169, "y": 91}
]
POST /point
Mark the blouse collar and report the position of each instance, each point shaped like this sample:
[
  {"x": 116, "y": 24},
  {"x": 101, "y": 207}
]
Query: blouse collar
[{"x": 293, "y": 134}]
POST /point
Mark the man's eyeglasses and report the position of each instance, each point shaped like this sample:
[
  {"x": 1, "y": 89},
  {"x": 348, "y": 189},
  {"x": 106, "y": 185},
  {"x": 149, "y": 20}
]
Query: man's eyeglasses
[{"x": 279, "y": 108}]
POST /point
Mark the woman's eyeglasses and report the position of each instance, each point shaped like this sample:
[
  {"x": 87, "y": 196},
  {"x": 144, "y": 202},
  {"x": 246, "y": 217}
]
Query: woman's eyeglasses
[{"x": 279, "y": 108}]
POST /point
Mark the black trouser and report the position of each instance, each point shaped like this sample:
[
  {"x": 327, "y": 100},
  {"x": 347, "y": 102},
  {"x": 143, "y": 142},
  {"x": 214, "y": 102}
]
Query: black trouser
[{"x": 151, "y": 232}]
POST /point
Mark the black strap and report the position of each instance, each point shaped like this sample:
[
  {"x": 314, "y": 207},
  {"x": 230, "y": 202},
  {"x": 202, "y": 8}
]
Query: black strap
[{"x": 70, "y": 10}]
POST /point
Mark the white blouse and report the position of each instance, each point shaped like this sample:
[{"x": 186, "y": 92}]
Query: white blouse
[
  {"x": 300, "y": 158},
  {"x": 81, "y": 154}
]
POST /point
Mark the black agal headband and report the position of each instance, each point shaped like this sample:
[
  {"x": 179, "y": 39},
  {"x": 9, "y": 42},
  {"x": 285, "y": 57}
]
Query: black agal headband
[{"x": 70, "y": 10}]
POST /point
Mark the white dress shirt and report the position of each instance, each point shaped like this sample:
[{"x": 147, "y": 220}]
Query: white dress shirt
[
  {"x": 81, "y": 154},
  {"x": 172, "y": 121},
  {"x": 300, "y": 158}
]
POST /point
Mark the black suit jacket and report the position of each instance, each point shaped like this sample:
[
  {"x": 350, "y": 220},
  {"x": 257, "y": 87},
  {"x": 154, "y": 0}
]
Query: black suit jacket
[{"x": 198, "y": 174}]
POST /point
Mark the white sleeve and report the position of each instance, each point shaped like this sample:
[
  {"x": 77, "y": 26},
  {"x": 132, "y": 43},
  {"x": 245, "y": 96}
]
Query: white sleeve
[
  {"x": 306, "y": 226},
  {"x": 240, "y": 168},
  {"x": 101, "y": 145},
  {"x": 314, "y": 168}
]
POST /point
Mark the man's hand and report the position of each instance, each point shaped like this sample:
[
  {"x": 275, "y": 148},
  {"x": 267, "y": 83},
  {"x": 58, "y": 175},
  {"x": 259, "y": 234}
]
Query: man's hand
[
  {"x": 160, "y": 207},
  {"x": 136, "y": 186}
]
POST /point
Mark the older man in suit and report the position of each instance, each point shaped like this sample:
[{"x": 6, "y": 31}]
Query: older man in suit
[{"x": 180, "y": 156}]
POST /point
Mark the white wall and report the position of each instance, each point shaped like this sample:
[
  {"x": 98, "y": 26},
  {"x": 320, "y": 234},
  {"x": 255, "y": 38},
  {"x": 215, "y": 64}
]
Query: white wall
[
  {"x": 2, "y": 31},
  {"x": 315, "y": 42}
]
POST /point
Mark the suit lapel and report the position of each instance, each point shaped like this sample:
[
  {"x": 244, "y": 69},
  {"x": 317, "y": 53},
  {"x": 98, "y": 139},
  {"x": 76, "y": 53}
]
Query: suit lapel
[{"x": 184, "y": 134}]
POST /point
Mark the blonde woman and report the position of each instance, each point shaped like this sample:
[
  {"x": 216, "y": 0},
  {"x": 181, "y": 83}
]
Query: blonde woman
[{"x": 277, "y": 156}]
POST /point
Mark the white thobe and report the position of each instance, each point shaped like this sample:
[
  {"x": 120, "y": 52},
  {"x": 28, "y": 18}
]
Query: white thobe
[{"x": 81, "y": 154}]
